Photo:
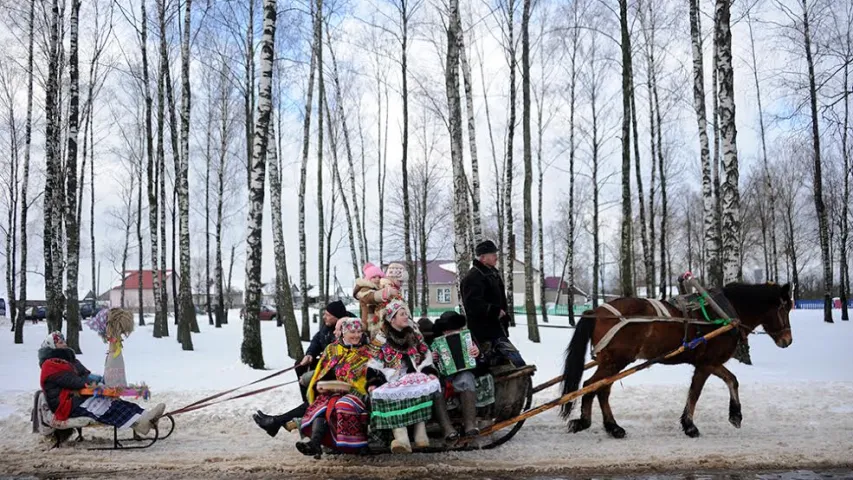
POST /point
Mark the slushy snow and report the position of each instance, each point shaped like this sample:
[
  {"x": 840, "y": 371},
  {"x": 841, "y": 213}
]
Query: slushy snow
[{"x": 797, "y": 409}]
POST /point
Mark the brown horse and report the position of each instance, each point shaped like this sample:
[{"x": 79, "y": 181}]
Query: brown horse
[{"x": 767, "y": 305}]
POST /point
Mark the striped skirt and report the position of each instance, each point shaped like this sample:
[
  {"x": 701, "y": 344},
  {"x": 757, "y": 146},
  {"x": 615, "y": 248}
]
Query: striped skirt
[
  {"x": 109, "y": 411},
  {"x": 347, "y": 419},
  {"x": 405, "y": 402}
]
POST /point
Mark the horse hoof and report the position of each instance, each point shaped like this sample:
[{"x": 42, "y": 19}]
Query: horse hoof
[
  {"x": 579, "y": 425},
  {"x": 735, "y": 420},
  {"x": 691, "y": 431},
  {"x": 614, "y": 430}
]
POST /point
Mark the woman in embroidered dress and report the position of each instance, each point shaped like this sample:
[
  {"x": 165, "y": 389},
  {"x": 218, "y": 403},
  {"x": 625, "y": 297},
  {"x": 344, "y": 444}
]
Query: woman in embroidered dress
[
  {"x": 410, "y": 390},
  {"x": 337, "y": 416},
  {"x": 62, "y": 375}
]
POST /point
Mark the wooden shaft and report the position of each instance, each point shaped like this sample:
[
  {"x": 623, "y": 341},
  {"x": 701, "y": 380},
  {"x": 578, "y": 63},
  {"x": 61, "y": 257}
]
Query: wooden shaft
[
  {"x": 714, "y": 305},
  {"x": 597, "y": 385},
  {"x": 558, "y": 379}
]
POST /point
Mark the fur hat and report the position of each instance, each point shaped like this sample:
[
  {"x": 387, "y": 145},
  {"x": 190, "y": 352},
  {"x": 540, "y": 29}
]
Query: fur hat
[
  {"x": 370, "y": 270},
  {"x": 448, "y": 321},
  {"x": 52, "y": 339},
  {"x": 393, "y": 307},
  {"x": 485, "y": 247},
  {"x": 397, "y": 271},
  {"x": 351, "y": 325}
]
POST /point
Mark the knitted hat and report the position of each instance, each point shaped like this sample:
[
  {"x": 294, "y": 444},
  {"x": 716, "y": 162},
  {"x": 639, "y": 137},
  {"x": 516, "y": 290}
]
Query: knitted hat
[
  {"x": 351, "y": 325},
  {"x": 485, "y": 247},
  {"x": 52, "y": 339},
  {"x": 370, "y": 270},
  {"x": 397, "y": 271},
  {"x": 338, "y": 310},
  {"x": 392, "y": 308}
]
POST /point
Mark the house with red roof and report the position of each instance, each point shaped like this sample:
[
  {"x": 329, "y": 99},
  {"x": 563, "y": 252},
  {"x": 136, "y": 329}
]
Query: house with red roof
[{"x": 131, "y": 281}]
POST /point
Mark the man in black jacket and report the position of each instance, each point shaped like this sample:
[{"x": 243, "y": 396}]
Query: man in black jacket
[
  {"x": 484, "y": 300},
  {"x": 322, "y": 339}
]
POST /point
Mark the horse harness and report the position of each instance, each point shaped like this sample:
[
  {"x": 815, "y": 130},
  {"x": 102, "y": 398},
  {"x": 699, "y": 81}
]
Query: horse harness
[{"x": 663, "y": 315}]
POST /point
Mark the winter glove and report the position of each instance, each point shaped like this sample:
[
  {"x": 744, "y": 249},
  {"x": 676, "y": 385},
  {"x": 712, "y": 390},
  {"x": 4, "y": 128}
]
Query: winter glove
[{"x": 95, "y": 378}]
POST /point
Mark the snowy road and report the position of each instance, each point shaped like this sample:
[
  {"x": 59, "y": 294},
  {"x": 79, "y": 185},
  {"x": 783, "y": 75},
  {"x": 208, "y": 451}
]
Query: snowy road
[{"x": 797, "y": 407}]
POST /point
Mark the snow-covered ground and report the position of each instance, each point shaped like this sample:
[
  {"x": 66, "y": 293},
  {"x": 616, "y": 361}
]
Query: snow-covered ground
[{"x": 797, "y": 407}]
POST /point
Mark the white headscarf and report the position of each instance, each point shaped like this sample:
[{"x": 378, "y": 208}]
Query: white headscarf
[{"x": 52, "y": 338}]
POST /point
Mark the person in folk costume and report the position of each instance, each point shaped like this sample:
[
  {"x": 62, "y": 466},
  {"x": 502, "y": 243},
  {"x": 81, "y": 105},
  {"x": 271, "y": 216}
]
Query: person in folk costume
[
  {"x": 334, "y": 313},
  {"x": 62, "y": 375},
  {"x": 462, "y": 383},
  {"x": 371, "y": 295},
  {"x": 484, "y": 300},
  {"x": 410, "y": 390},
  {"x": 338, "y": 418}
]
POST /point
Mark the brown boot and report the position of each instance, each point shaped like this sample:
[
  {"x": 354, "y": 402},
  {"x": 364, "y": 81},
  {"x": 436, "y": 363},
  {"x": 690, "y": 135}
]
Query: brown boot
[
  {"x": 469, "y": 413},
  {"x": 441, "y": 415}
]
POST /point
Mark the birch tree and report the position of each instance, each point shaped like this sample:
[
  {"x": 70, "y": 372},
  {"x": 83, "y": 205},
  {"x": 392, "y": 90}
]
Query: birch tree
[
  {"x": 188, "y": 320},
  {"x": 461, "y": 247},
  {"x": 28, "y": 133},
  {"x": 626, "y": 249},
  {"x": 472, "y": 136},
  {"x": 817, "y": 175},
  {"x": 509, "y": 257},
  {"x": 711, "y": 239},
  {"x": 731, "y": 224},
  {"x": 72, "y": 228},
  {"x": 530, "y": 303},
  {"x": 52, "y": 202},
  {"x": 303, "y": 178},
  {"x": 283, "y": 296},
  {"x": 251, "y": 351}
]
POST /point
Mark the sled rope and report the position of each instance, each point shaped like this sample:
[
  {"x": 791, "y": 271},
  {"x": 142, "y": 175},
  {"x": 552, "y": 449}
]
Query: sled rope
[
  {"x": 242, "y": 395},
  {"x": 204, "y": 402}
]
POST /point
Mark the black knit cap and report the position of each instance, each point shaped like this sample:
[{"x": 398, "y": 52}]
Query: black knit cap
[
  {"x": 448, "y": 321},
  {"x": 338, "y": 310},
  {"x": 486, "y": 247}
]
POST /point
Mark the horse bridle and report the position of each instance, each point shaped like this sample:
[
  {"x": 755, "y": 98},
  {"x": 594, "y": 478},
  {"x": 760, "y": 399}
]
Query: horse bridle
[{"x": 781, "y": 322}]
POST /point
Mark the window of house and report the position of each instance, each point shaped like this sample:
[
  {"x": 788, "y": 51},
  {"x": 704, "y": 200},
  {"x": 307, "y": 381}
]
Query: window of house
[{"x": 443, "y": 295}]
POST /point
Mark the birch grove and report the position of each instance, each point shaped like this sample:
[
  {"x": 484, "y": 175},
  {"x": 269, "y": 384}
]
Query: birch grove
[{"x": 595, "y": 144}]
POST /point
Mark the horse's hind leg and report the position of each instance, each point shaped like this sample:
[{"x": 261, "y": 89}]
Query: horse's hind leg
[
  {"x": 585, "y": 420},
  {"x": 610, "y": 424},
  {"x": 700, "y": 376},
  {"x": 735, "y": 415}
]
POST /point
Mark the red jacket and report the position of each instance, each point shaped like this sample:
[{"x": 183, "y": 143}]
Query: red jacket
[{"x": 62, "y": 375}]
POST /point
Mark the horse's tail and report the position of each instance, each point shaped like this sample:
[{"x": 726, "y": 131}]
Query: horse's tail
[{"x": 575, "y": 356}]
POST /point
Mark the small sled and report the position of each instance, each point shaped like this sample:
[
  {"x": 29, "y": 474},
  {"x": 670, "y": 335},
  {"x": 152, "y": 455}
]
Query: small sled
[{"x": 60, "y": 431}]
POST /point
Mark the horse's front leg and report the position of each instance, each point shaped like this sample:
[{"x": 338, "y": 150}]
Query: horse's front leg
[
  {"x": 700, "y": 376},
  {"x": 735, "y": 415}
]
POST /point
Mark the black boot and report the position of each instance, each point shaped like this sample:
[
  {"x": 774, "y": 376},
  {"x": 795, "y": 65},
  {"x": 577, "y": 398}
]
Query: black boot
[
  {"x": 314, "y": 445},
  {"x": 441, "y": 415},
  {"x": 469, "y": 413},
  {"x": 270, "y": 423}
]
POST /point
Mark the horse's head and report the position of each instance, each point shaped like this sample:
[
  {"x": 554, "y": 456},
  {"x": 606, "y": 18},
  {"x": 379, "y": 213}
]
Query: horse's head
[{"x": 767, "y": 305}]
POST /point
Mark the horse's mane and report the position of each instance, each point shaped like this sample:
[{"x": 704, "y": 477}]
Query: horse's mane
[{"x": 753, "y": 299}]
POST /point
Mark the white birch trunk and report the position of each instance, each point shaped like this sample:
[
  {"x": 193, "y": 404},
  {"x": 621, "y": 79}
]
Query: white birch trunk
[
  {"x": 251, "y": 351},
  {"x": 461, "y": 248},
  {"x": 731, "y": 224},
  {"x": 188, "y": 321}
]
